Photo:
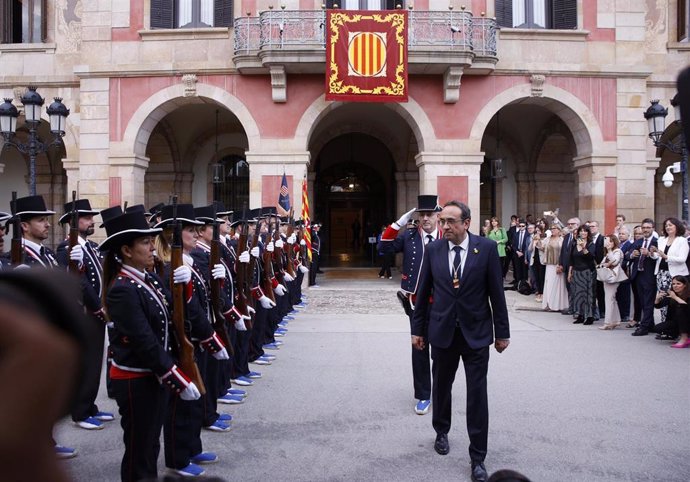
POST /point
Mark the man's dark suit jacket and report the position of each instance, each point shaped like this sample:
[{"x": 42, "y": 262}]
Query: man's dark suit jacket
[
  {"x": 478, "y": 306},
  {"x": 649, "y": 263},
  {"x": 599, "y": 251}
]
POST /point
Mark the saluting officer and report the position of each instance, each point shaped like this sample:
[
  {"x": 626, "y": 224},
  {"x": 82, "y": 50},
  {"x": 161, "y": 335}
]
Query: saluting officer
[
  {"x": 143, "y": 365},
  {"x": 85, "y": 413},
  {"x": 412, "y": 243}
]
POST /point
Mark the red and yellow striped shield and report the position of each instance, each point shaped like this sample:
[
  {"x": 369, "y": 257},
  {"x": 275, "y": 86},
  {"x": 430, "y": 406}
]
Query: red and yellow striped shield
[{"x": 367, "y": 54}]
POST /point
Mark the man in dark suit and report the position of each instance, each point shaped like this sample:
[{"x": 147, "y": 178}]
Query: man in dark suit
[
  {"x": 463, "y": 274},
  {"x": 564, "y": 260},
  {"x": 642, "y": 276},
  {"x": 520, "y": 245},
  {"x": 623, "y": 291},
  {"x": 599, "y": 254}
]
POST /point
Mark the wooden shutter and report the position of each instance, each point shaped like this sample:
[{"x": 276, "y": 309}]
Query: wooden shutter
[
  {"x": 222, "y": 13},
  {"x": 564, "y": 14},
  {"x": 162, "y": 14},
  {"x": 44, "y": 20},
  {"x": 5, "y": 22},
  {"x": 504, "y": 13}
]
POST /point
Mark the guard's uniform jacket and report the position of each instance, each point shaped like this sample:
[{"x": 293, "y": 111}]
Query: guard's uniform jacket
[
  {"x": 37, "y": 256},
  {"x": 92, "y": 271},
  {"x": 140, "y": 337},
  {"x": 315, "y": 242},
  {"x": 411, "y": 243}
]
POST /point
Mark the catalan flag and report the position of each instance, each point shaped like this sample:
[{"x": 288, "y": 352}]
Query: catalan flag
[
  {"x": 284, "y": 196},
  {"x": 305, "y": 217}
]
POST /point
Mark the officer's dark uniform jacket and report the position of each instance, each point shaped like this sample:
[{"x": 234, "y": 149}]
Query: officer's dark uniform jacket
[
  {"x": 140, "y": 312},
  {"x": 411, "y": 243},
  {"x": 315, "y": 241},
  {"x": 202, "y": 259},
  {"x": 92, "y": 271},
  {"x": 37, "y": 256}
]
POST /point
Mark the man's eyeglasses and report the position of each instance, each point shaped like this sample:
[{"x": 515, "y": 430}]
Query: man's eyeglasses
[
  {"x": 443, "y": 221},
  {"x": 522, "y": 226}
]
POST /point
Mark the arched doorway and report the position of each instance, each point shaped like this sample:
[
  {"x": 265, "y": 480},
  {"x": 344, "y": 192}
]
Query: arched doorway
[
  {"x": 535, "y": 170},
  {"x": 354, "y": 194}
]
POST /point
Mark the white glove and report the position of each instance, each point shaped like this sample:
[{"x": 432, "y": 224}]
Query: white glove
[
  {"x": 183, "y": 274},
  {"x": 303, "y": 269},
  {"x": 287, "y": 277},
  {"x": 250, "y": 310},
  {"x": 190, "y": 393},
  {"x": 221, "y": 355},
  {"x": 280, "y": 290},
  {"x": 266, "y": 302},
  {"x": 302, "y": 242},
  {"x": 239, "y": 325},
  {"x": 280, "y": 243},
  {"x": 270, "y": 248},
  {"x": 405, "y": 218},
  {"x": 76, "y": 254},
  {"x": 292, "y": 239},
  {"x": 218, "y": 271},
  {"x": 255, "y": 251},
  {"x": 237, "y": 235},
  {"x": 244, "y": 257}
]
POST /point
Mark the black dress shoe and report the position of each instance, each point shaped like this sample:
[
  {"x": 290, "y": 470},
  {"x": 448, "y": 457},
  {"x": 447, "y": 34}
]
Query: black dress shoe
[
  {"x": 588, "y": 321},
  {"x": 479, "y": 472},
  {"x": 640, "y": 332},
  {"x": 441, "y": 445},
  {"x": 579, "y": 319}
]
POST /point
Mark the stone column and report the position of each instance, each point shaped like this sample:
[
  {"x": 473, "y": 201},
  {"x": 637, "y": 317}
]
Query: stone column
[
  {"x": 126, "y": 175},
  {"x": 294, "y": 164},
  {"x": 452, "y": 176},
  {"x": 592, "y": 172}
]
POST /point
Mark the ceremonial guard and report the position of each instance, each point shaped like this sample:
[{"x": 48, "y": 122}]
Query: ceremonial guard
[
  {"x": 3, "y": 230},
  {"x": 412, "y": 243},
  {"x": 315, "y": 251},
  {"x": 143, "y": 366},
  {"x": 217, "y": 373},
  {"x": 182, "y": 429},
  {"x": 34, "y": 224},
  {"x": 34, "y": 221},
  {"x": 79, "y": 215}
]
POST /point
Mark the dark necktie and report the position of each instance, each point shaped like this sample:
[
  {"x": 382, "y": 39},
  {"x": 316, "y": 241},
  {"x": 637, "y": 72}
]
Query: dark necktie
[
  {"x": 429, "y": 238},
  {"x": 457, "y": 272},
  {"x": 521, "y": 239},
  {"x": 640, "y": 262}
]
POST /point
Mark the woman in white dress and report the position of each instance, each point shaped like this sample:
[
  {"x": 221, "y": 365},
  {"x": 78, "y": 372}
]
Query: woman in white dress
[{"x": 555, "y": 296}]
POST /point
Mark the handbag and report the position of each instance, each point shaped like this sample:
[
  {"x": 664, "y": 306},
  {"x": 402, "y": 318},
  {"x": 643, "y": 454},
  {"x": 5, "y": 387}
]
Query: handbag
[{"x": 606, "y": 275}]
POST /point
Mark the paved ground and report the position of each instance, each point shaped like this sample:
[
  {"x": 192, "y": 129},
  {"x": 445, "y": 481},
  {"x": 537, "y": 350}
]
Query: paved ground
[{"x": 568, "y": 402}]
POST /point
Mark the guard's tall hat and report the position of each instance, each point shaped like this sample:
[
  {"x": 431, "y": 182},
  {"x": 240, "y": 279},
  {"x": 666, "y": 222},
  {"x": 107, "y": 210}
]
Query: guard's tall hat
[
  {"x": 83, "y": 207},
  {"x": 30, "y": 207},
  {"x": 124, "y": 228},
  {"x": 428, "y": 202}
]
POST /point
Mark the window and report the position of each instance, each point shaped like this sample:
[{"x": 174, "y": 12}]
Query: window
[
  {"x": 549, "y": 14},
  {"x": 365, "y": 4},
  {"x": 234, "y": 190},
  {"x": 683, "y": 16},
  {"x": 191, "y": 13},
  {"x": 22, "y": 21}
]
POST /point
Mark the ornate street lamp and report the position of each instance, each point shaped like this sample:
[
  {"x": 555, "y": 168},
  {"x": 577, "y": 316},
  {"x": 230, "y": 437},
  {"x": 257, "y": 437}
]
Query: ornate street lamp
[
  {"x": 656, "y": 116},
  {"x": 32, "y": 103}
]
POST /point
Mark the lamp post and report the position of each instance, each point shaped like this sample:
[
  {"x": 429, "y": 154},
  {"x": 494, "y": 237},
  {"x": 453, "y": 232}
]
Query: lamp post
[
  {"x": 656, "y": 116},
  {"x": 32, "y": 102}
]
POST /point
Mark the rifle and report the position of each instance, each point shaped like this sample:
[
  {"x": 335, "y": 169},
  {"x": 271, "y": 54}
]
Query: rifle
[
  {"x": 74, "y": 233},
  {"x": 290, "y": 252},
  {"x": 277, "y": 252},
  {"x": 266, "y": 284},
  {"x": 186, "y": 363},
  {"x": 218, "y": 318},
  {"x": 17, "y": 253},
  {"x": 244, "y": 296}
]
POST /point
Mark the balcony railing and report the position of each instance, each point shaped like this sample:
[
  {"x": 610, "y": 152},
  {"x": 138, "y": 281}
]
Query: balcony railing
[{"x": 305, "y": 29}]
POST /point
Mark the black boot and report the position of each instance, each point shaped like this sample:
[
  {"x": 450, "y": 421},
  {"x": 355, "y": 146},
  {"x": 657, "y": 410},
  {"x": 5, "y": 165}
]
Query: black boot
[{"x": 579, "y": 319}]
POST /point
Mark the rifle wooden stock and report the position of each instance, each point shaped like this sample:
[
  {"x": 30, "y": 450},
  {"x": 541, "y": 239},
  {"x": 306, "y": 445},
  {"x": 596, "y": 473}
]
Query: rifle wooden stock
[
  {"x": 186, "y": 349},
  {"x": 278, "y": 267},
  {"x": 243, "y": 297},
  {"x": 74, "y": 233},
  {"x": 216, "y": 300},
  {"x": 266, "y": 284},
  {"x": 290, "y": 252}
]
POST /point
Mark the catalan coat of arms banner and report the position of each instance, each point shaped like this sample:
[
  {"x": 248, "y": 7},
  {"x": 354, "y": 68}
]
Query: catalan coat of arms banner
[{"x": 366, "y": 55}]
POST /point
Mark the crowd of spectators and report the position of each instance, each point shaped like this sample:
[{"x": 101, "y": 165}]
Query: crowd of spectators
[{"x": 617, "y": 279}]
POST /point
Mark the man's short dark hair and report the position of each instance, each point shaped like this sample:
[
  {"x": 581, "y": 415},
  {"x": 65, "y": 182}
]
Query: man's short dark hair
[
  {"x": 647, "y": 221},
  {"x": 464, "y": 209},
  {"x": 621, "y": 216}
]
